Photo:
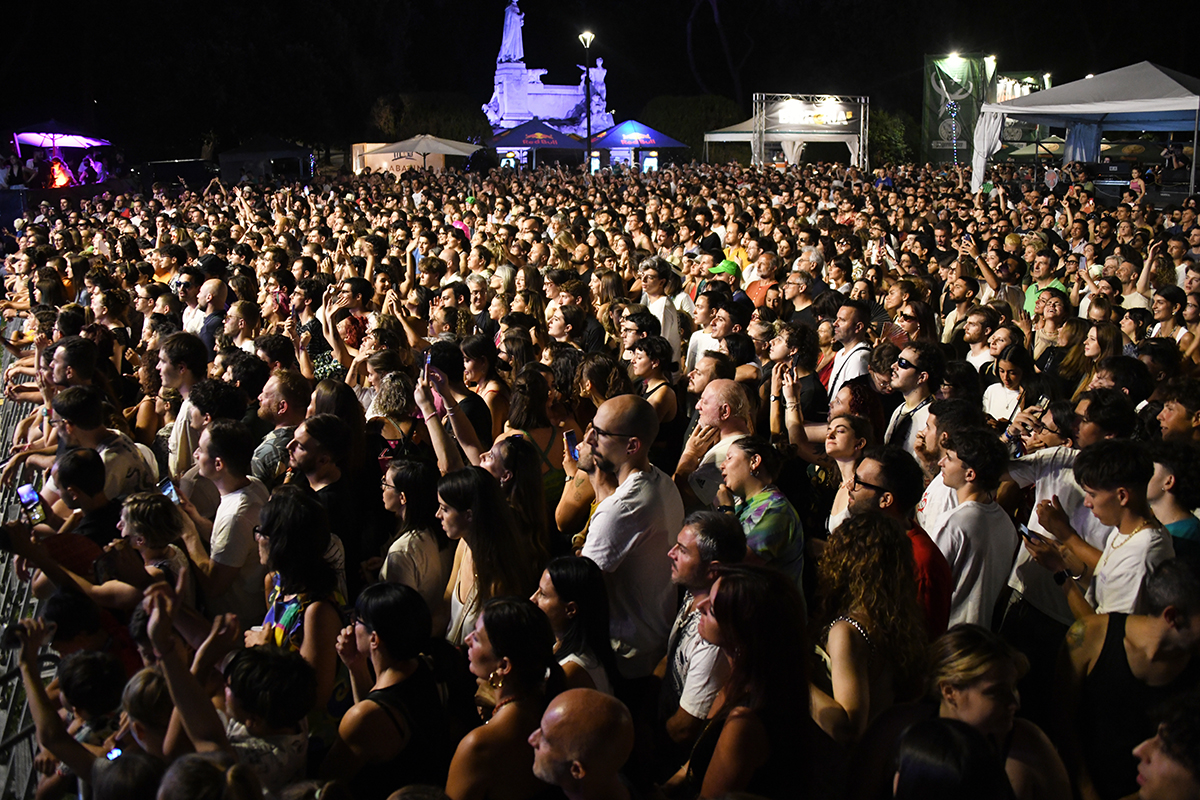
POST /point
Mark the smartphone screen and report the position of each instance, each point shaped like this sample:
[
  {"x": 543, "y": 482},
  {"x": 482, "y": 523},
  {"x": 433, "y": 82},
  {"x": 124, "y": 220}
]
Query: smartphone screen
[
  {"x": 1027, "y": 534},
  {"x": 167, "y": 487},
  {"x": 31, "y": 501},
  {"x": 572, "y": 443}
]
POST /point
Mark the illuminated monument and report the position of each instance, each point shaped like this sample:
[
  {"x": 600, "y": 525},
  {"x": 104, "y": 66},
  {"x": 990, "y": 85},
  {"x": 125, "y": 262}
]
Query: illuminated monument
[{"x": 519, "y": 94}]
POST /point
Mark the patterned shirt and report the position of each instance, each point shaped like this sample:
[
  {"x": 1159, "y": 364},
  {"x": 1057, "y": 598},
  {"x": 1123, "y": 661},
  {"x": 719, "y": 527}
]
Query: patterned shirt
[{"x": 773, "y": 531}]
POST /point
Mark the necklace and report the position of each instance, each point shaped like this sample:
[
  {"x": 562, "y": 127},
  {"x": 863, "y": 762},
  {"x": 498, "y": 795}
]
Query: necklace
[
  {"x": 1131, "y": 534},
  {"x": 1118, "y": 545},
  {"x": 501, "y": 705}
]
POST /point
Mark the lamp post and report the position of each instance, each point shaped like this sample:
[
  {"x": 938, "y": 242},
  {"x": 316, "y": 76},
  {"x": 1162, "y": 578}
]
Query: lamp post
[{"x": 586, "y": 39}]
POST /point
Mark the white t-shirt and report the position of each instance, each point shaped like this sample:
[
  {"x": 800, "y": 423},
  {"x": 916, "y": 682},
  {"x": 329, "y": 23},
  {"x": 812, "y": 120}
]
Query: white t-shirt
[
  {"x": 937, "y": 501},
  {"x": 1052, "y": 471},
  {"x": 668, "y": 318},
  {"x": 697, "y": 344},
  {"x": 695, "y": 669},
  {"x": 414, "y": 560},
  {"x": 233, "y": 545},
  {"x": 183, "y": 441},
  {"x": 125, "y": 468},
  {"x": 919, "y": 418},
  {"x": 847, "y": 365},
  {"x": 707, "y": 478},
  {"x": 1124, "y": 567},
  {"x": 980, "y": 361},
  {"x": 1000, "y": 402},
  {"x": 978, "y": 541},
  {"x": 193, "y": 319},
  {"x": 628, "y": 537}
]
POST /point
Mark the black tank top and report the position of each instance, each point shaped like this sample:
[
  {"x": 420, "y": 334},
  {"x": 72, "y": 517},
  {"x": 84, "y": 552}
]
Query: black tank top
[
  {"x": 426, "y": 758},
  {"x": 1116, "y": 713}
]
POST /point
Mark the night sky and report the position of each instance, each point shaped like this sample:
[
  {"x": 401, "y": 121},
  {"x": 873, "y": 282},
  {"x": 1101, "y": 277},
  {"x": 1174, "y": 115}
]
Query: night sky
[{"x": 157, "y": 78}]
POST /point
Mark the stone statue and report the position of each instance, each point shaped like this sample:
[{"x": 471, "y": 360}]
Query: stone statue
[{"x": 511, "y": 46}]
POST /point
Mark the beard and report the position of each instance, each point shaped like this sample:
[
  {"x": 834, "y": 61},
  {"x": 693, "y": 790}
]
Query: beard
[{"x": 863, "y": 505}]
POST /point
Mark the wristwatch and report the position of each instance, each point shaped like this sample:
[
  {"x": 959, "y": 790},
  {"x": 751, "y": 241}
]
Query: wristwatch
[{"x": 1061, "y": 577}]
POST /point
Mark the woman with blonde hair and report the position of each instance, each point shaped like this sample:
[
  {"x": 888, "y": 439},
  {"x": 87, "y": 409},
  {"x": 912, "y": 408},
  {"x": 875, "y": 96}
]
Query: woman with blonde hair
[
  {"x": 872, "y": 629},
  {"x": 973, "y": 677}
]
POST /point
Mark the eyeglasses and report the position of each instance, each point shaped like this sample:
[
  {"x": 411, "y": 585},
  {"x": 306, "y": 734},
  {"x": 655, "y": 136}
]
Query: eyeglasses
[
  {"x": 904, "y": 363},
  {"x": 384, "y": 484},
  {"x": 857, "y": 482},
  {"x": 610, "y": 434}
]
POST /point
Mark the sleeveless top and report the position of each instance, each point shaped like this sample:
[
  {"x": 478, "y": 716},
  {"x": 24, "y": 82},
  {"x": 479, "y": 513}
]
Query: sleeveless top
[
  {"x": 823, "y": 654},
  {"x": 555, "y": 477},
  {"x": 1115, "y": 711},
  {"x": 414, "y": 705},
  {"x": 284, "y": 623},
  {"x": 803, "y": 762}
]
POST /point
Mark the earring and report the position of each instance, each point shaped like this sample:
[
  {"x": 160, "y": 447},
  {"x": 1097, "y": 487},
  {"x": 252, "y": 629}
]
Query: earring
[{"x": 496, "y": 680}]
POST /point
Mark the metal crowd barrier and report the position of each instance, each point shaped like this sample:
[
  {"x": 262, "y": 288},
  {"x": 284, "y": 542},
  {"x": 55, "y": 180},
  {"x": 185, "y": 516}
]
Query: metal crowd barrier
[{"x": 18, "y": 780}]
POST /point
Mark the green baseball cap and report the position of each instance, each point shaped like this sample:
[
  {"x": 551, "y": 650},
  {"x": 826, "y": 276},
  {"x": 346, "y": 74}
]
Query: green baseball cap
[{"x": 728, "y": 267}]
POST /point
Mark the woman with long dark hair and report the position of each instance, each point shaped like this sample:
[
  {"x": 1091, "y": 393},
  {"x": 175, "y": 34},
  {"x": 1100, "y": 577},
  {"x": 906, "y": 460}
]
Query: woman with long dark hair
[
  {"x": 303, "y": 599},
  {"x": 571, "y": 593},
  {"x": 492, "y": 558},
  {"x": 760, "y": 737},
  {"x": 397, "y": 733},
  {"x": 482, "y": 375},
  {"x": 511, "y": 653},
  {"x": 418, "y": 554}
]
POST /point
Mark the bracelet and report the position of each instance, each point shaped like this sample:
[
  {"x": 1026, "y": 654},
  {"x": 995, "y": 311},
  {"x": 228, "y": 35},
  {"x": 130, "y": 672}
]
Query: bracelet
[
  {"x": 791, "y": 406},
  {"x": 451, "y": 409},
  {"x": 725, "y": 509}
]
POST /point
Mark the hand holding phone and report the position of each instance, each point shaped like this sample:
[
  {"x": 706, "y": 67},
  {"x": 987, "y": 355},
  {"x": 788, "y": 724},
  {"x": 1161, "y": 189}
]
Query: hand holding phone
[
  {"x": 31, "y": 502},
  {"x": 1027, "y": 534},
  {"x": 572, "y": 443},
  {"x": 167, "y": 487}
]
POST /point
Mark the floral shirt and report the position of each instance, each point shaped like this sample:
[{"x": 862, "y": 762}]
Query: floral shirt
[{"x": 773, "y": 531}]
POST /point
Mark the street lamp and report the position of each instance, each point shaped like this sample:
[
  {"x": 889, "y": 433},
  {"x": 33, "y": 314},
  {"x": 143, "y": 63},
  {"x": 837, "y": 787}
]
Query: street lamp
[{"x": 586, "y": 39}]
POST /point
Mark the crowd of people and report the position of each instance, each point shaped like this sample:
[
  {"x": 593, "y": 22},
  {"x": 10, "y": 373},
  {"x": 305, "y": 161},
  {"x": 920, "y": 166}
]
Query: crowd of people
[{"x": 803, "y": 483}]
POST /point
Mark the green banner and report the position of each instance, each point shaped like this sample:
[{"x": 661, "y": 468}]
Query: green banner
[{"x": 956, "y": 87}]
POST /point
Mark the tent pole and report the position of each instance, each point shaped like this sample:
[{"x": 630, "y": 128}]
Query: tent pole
[{"x": 1195, "y": 136}]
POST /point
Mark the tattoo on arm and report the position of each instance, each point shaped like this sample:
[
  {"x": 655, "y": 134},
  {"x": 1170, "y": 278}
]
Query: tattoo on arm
[{"x": 1075, "y": 635}]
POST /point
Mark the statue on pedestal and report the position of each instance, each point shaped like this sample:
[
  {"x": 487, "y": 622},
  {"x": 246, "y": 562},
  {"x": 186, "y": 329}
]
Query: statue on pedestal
[{"x": 512, "y": 48}]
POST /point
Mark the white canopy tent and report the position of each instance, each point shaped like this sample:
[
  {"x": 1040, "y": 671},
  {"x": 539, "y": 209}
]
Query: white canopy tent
[{"x": 1140, "y": 97}]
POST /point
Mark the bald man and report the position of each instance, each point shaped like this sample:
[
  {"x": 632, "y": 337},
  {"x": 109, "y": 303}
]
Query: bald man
[
  {"x": 212, "y": 302},
  {"x": 631, "y": 531},
  {"x": 584, "y": 740},
  {"x": 723, "y": 416}
]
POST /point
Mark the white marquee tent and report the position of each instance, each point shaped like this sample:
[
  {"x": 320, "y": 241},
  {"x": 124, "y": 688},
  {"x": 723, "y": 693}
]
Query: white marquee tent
[{"x": 1140, "y": 97}]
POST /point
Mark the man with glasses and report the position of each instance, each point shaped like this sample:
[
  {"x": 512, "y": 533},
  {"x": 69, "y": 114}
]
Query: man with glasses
[
  {"x": 916, "y": 375},
  {"x": 631, "y": 532},
  {"x": 889, "y": 480},
  {"x": 188, "y": 289},
  {"x": 797, "y": 291}
]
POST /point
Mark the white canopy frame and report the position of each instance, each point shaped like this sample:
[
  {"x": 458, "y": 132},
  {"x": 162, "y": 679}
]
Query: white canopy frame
[
  {"x": 1140, "y": 97},
  {"x": 758, "y": 130}
]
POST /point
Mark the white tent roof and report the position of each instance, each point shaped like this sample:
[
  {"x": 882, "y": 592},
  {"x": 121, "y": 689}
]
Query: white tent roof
[{"x": 1140, "y": 97}]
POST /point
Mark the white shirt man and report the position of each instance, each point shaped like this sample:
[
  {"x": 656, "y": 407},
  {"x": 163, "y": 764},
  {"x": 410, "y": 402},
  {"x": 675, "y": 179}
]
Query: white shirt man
[
  {"x": 849, "y": 330},
  {"x": 918, "y": 370},
  {"x": 631, "y": 532},
  {"x": 976, "y": 537}
]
